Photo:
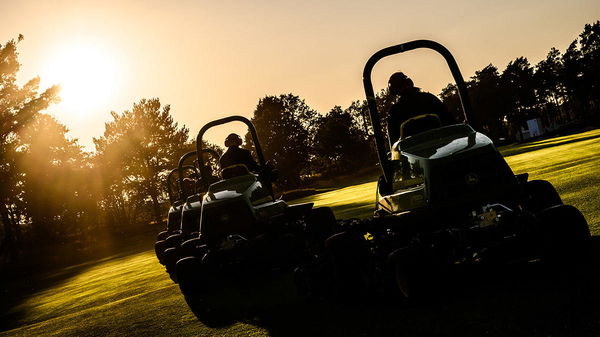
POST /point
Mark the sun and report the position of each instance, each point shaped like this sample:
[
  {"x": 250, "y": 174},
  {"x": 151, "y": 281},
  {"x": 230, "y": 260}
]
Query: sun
[{"x": 87, "y": 75}]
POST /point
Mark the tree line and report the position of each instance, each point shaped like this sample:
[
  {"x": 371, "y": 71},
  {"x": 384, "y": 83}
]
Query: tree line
[
  {"x": 560, "y": 90},
  {"x": 55, "y": 193}
]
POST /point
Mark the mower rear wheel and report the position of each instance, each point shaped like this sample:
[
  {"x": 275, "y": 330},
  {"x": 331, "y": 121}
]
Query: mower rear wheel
[
  {"x": 565, "y": 237},
  {"x": 541, "y": 195}
]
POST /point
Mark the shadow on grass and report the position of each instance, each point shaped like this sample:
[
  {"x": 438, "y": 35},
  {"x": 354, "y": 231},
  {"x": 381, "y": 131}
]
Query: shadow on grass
[
  {"x": 518, "y": 300},
  {"x": 354, "y": 210},
  {"x": 525, "y": 147},
  {"x": 19, "y": 284},
  {"x": 521, "y": 305}
]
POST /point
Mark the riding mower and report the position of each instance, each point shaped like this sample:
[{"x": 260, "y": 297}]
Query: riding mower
[
  {"x": 447, "y": 201},
  {"x": 194, "y": 188},
  {"x": 247, "y": 239},
  {"x": 173, "y": 217}
]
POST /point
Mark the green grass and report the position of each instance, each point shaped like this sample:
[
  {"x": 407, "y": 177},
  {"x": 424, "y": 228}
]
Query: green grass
[
  {"x": 571, "y": 163},
  {"x": 132, "y": 295}
]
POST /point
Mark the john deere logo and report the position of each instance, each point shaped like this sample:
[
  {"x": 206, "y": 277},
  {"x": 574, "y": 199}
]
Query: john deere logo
[{"x": 472, "y": 179}]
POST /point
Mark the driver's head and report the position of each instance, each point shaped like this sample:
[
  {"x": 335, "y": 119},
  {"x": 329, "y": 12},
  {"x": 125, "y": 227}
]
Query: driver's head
[
  {"x": 399, "y": 83},
  {"x": 233, "y": 140}
]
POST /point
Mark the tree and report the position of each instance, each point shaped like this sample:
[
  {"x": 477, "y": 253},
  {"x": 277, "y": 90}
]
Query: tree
[
  {"x": 549, "y": 87},
  {"x": 339, "y": 143},
  {"x": 18, "y": 106},
  {"x": 285, "y": 125},
  {"x": 58, "y": 190},
  {"x": 517, "y": 80},
  {"x": 359, "y": 112},
  {"x": 490, "y": 100},
  {"x": 450, "y": 98},
  {"x": 137, "y": 149},
  {"x": 589, "y": 42}
]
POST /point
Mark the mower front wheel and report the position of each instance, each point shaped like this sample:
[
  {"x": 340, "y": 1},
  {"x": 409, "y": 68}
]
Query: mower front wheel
[
  {"x": 196, "y": 288},
  {"x": 412, "y": 272},
  {"x": 347, "y": 256},
  {"x": 170, "y": 258},
  {"x": 159, "y": 249},
  {"x": 321, "y": 223}
]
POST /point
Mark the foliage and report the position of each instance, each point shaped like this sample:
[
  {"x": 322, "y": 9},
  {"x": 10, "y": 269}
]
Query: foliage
[
  {"x": 58, "y": 189},
  {"x": 549, "y": 87},
  {"x": 52, "y": 191},
  {"x": 285, "y": 125},
  {"x": 18, "y": 106},
  {"x": 339, "y": 143},
  {"x": 134, "y": 154},
  {"x": 560, "y": 89}
]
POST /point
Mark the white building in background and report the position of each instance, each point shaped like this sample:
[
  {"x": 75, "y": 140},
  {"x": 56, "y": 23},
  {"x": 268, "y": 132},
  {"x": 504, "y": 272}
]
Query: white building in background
[{"x": 534, "y": 128}]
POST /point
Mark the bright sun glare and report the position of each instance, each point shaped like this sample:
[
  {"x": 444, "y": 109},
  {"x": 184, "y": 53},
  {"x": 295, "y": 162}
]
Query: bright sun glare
[{"x": 87, "y": 76}]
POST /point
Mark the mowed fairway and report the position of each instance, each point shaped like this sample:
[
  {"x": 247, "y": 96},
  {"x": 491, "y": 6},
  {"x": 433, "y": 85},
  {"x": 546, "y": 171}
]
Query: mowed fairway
[
  {"x": 131, "y": 295},
  {"x": 570, "y": 163}
]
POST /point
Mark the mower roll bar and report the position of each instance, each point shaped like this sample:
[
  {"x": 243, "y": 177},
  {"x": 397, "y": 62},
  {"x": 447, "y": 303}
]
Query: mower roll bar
[
  {"x": 169, "y": 182},
  {"x": 199, "y": 145},
  {"x": 169, "y": 191},
  {"x": 369, "y": 92},
  {"x": 181, "y": 167}
]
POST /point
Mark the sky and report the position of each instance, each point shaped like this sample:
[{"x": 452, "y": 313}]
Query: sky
[{"x": 211, "y": 59}]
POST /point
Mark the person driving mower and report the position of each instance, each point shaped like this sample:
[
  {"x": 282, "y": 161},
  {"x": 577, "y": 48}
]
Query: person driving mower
[
  {"x": 236, "y": 155},
  {"x": 412, "y": 102}
]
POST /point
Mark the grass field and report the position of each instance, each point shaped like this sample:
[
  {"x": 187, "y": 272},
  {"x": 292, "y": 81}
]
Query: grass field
[
  {"x": 570, "y": 163},
  {"x": 130, "y": 294}
]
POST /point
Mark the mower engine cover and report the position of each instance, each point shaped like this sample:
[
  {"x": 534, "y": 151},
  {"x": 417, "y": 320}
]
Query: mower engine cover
[
  {"x": 452, "y": 164},
  {"x": 237, "y": 206},
  {"x": 190, "y": 215}
]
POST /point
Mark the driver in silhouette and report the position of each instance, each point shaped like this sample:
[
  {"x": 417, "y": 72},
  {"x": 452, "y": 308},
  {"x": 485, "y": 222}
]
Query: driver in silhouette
[
  {"x": 236, "y": 155},
  {"x": 411, "y": 102}
]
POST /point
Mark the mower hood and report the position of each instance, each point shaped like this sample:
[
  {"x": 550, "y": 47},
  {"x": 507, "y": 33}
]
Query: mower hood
[{"x": 443, "y": 142}]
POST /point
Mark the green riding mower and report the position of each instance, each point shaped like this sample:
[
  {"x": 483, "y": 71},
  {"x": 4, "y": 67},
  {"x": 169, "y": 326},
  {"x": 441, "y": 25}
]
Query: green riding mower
[
  {"x": 447, "y": 200},
  {"x": 192, "y": 189},
  {"x": 174, "y": 215},
  {"x": 247, "y": 238}
]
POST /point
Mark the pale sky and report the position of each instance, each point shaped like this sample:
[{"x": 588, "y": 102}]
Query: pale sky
[{"x": 210, "y": 59}]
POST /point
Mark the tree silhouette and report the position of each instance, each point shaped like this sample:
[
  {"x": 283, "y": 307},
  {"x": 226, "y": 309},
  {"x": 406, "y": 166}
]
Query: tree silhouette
[
  {"x": 489, "y": 99},
  {"x": 137, "y": 149},
  {"x": 339, "y": 143},
  {"x": 285, "y": 125},
  {"x": 549, "y": 87},
  {"x": 18, "y": 106},
  {"x": 58, "y": 189},
  {"x": 517, "y": 80},
  {"x": 589, "y": 42}
]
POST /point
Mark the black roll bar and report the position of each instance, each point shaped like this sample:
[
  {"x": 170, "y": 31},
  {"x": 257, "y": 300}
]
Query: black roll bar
[
  {"x": 369, "y": 92},
  {"x": 199, "y": 143},
  {"x": 181, "y": 167},
  {"x": 169, "y": 185}
]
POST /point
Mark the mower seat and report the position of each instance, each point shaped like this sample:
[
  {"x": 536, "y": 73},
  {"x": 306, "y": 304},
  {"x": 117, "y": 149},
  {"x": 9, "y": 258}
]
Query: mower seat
[
  {"x": 234, "y": 171},
  {"x": 418, "y": 124}
]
